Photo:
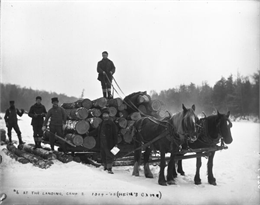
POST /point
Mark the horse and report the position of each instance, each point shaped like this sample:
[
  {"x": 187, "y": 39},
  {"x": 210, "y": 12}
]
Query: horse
[
  {"x": 212, "y": 129},
  {"x": 172, "y": 132}
]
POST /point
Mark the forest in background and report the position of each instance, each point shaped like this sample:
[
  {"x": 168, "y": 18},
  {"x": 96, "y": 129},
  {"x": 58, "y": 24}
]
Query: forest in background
[
  {"x": 238, "y": 95},
  {"x": 25, "y": 97}
]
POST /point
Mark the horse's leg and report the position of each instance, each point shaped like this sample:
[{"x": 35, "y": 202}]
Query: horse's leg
[
  {"x": 197, "y": 179},
  {"x": 180, "y": 170},
  {"x": 147, "y": 171},
  {"x": 211, "y": 178},
  {"x": 161, "y": 179},
  {"x": 137, "y": 157},
  {"x": 171, "y": 170}
]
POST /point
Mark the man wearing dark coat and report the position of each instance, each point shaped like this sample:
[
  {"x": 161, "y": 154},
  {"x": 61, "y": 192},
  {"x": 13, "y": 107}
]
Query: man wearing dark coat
[
  {"x": 107, "y": 137},
  {"x": 57, "y": 118},
  {"x": 106, "y": 69},
  {"x": 37, "y": 113},
  {"x": 11, "y": 121}
]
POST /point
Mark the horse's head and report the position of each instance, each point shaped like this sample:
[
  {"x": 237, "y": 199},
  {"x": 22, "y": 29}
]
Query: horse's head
[
  {"x": 223, "y": 125},
  {"x": 189, "y": 122}
]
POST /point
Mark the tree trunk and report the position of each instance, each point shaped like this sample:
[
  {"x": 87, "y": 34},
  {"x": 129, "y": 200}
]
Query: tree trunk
[
  {"x": 79, "y": 114},
  {"x": 87, "y": 103},
  {"x": 81, "y": 127},
  {"x": 38, "y": 151},
  {"x": 142, "y": 109},
  {"x": 95, "y": 112},
  {"x": 63, "y": 157},
  {"x": 75, "y": 139},
  {"x": 156, "y": 105},
  {"x": 122, "y": 122},
  {"x": 89, "y": 142},
  {"x": 94, "y": 122},
  {"x": 100, "y": 102},
  {"x": 36, "y": 161},
  {"x": 116, "y": 102},
  {"x": 14, "y": 156},
  {"x": 135, "y": 116},
  {"x": 112, "y": 111}
]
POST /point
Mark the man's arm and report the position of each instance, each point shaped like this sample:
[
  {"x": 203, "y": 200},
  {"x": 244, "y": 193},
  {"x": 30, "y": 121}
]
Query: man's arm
[
  {"x": 99, "y": 69},
  {"x": 6, "y": 117},
  {"x": 64, "y": 116},
  {"x": 113, "y": 68},
  {"x": 31, "y": 113},
  {"x": 47, "y": 118}
]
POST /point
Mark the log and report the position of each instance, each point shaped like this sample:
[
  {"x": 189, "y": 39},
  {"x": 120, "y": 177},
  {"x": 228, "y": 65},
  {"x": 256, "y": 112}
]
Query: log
[
  {"x": 156, "y": 105},
  {"x": 14, "y": 156},
  {"x": 94, "y": 122},
  {"x": 163, "y": 113},
  {"x": 135, "y": 116},
  {"x": 122, "y": 107},
  {"x": 130, "y": 123},
  {"x": 95, "y": 112},
  {"x": 143, "y": 99},
  {"x": 142, "y": 109},
  {"x": 112, "y": 111},
  {"x": 87, "y": 103},
  {"x": 116, "y": 102},
  {"x": 81, "y": 127},
  {"x": 79, "y": 114},
  {"x": 38, "y": 151},
  {"x": 100, "y": 102},
  {"x": 75, "y": 139},
  {"x": 64, "y": 158},
  {"x": 68, "y": 105},
  {"x": 128, "y": 137},
  {"x": 122, "y": 122},
  {"x": 36, "y": 161},
  {"x": 89, "y": 142},
  {"x": 123, "y": 113}
]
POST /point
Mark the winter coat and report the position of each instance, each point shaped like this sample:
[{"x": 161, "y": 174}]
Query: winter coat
[
  {"x": 40, "y": 111},
  {"x": 57, "y": 115},
  {"x": 11, "y": 115},
  {"x": 108, "y": 132},
  {"x": 107, "y": 66}
]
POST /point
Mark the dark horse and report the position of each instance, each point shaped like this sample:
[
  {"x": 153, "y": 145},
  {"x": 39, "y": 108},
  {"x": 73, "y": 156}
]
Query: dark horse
[
  {"x": 213, "y": 129},
  {"x": 173, "y": 131}
]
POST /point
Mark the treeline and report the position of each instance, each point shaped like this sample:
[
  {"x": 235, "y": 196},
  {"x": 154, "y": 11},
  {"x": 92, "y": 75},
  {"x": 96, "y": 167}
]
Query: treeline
[
  {"x": 25, "y": 97},
  {"x": 240, "y": 96}
]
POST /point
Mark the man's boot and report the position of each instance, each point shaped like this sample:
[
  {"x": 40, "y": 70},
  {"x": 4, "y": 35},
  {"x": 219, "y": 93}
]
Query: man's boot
[
  {"x": 109, "y": 169},
  {"x": 39, "y": 144},
  {"x": 20, "y": 139},
  {"x": 10, "y": 139},
  {"x": 109, "y": 94}
]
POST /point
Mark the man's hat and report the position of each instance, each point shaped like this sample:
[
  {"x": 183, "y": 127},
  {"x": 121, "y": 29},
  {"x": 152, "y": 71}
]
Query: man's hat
[
  {"x": 105, "y": 52},
  {"x": 54, "y": 100},
  {"x": 105, "y": 110},
  {"x": 11, "y": 101},
  {"x": 39, "y": 97}
]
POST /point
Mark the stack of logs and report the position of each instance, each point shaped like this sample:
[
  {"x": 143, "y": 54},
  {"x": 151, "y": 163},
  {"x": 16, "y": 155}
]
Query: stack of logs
[
  {"x": 39, "y": 157},
  {"x": 84, "y": 116}
]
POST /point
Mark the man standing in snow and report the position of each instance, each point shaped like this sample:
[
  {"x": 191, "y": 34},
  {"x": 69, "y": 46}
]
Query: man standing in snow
[
  {"x": 106, "y": 69},
  {"x": 12, "y": 122},
  {"x": 107, "y": 134},
  {"x": 57, "y": 122},
  {"x": 37, "y": 113}
]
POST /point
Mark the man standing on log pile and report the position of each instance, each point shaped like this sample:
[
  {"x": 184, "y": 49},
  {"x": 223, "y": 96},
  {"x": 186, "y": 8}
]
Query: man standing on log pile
[
  {"x": 37, "y": 113},
  {"x": 11, "y": 121},
  {"x": 106, "y": 69},
  {"x": 57, "y": 123}
]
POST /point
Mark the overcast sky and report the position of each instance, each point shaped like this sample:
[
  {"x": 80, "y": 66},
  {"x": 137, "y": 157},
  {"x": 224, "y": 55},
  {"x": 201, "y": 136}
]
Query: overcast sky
[{"x": 155, "y": 45}]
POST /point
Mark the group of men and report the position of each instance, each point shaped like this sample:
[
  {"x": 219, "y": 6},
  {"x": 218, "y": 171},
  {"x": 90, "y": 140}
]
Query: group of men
[{"x": 107, "y": 131}]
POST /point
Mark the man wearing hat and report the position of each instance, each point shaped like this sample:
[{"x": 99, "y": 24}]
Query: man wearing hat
[
  {"x": 12, "y": 122},
  {"x": 106, "y": 69},
  {"x": 57, "y": 118},
  {"x": 37, "y": 113},
  {"x": 107, "y": 134}
]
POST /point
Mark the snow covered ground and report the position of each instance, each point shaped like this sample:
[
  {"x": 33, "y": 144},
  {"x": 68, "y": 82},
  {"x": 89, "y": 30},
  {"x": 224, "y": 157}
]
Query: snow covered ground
[{"x": 236, "y": 169}]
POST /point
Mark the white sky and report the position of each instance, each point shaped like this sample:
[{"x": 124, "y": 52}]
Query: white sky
[{"x": 155, "y": 45}]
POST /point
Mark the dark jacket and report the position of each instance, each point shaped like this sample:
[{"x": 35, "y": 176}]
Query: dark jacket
[
  {"x": 37, "y": 113},
  {"x": 108, "y": 131},
  {"x": 107, "y": 66},
  {"x": 57, "y": 115},
  {"x": 11, "y": 115}
]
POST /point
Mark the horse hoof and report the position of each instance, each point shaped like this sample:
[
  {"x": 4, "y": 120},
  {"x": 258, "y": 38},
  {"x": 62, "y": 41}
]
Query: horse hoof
[
  {"x": 213, "y": 183},
  {"x": 198, "y": 182},
  {"x": 171, "y": 182},
  {"x": 149, "y": 176},
  {"x": 163, "y": 183}
]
